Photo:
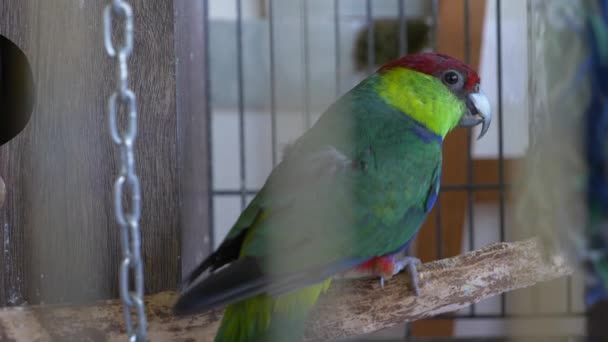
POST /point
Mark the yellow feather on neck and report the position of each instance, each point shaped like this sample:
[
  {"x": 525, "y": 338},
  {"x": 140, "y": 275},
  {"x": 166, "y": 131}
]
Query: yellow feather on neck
[{"x": 422, "y": 97}]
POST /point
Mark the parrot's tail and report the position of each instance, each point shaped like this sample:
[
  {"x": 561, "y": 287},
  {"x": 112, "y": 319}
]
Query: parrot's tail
[{"x": 263, "y": 318}]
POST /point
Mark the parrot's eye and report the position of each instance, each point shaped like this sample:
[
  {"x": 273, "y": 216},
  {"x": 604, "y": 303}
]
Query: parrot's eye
[{"x": 451, "y": 77}]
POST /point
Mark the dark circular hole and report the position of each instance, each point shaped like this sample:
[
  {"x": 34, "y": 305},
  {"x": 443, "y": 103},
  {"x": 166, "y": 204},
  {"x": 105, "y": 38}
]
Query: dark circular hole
[{"x": 16, "y": 90}]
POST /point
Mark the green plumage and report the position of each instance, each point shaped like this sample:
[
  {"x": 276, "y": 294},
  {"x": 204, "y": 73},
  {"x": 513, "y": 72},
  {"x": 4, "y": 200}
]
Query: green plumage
[
  {"x": 372, "y": 207},
  {"x": 357, "y": 185}
]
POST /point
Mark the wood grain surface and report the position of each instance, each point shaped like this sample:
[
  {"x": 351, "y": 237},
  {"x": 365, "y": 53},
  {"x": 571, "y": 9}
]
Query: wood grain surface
[{"x": 60, "y": 240}]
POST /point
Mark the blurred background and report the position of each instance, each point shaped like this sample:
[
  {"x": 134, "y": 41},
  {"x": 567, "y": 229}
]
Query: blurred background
[{"x": 275, "y": 66}]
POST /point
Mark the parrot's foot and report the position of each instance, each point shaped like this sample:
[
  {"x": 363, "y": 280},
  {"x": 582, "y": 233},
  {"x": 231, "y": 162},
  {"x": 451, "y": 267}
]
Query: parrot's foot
[
  {"x": 409, "y": 263},
  {"x": 385, "y": 267}
]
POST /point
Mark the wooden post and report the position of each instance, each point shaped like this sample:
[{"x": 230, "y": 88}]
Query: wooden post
[{"x": 194, "y": 139}]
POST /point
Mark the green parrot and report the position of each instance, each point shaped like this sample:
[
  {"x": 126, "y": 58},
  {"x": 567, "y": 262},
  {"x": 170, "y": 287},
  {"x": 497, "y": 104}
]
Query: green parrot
[{"x": 346, "y": 200}]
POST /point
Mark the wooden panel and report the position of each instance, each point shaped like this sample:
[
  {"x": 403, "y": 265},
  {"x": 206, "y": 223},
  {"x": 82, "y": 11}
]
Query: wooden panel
[
  {"x": 60, "y": 237},
  {"x": 12, "y": 259},
  {"x": 193, "y": 131},
  {"x": 486, "y": 172}
]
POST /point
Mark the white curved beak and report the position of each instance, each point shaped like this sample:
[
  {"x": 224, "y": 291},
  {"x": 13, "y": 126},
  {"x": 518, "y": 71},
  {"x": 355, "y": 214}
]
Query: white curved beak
[{"x": 479, "y": 112}]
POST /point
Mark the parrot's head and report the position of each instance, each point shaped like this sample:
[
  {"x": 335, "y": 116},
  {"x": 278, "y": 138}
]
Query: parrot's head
[{"x": 436, "y": 90}]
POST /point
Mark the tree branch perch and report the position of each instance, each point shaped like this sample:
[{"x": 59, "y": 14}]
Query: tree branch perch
[{"x": 350, "y": 308}]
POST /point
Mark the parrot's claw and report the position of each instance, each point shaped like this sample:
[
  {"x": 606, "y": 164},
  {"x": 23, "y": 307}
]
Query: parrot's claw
[
  {"x": 385, "y": 267},
  {"x": 409, "y": 263}
]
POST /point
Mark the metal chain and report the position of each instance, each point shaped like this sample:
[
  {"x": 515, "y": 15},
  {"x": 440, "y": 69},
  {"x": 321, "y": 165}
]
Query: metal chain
[{"x": 128, "y": 219}]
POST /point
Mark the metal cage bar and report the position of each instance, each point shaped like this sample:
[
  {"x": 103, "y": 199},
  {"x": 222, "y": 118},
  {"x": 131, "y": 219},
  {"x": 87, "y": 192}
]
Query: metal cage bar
[
  {"x": 305, "y": 64},
  {"x": 501, "y": 156},
  {"x": 338, "y": 61},
  {"x": 241, "y": 101},
  {"x": 272, "y": 71},
  {"x": 470, "y": 171}
]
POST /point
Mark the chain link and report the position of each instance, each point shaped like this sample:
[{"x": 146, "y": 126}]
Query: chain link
[{"x": 127, "y": 184}]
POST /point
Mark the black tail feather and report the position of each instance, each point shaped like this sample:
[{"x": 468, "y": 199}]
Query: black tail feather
[
  {"x": 242, "y": 279},
  {"x": 198, "y": 271},
  {"x": 245, "y": 278},
  {"x": 226, "y": 253}
]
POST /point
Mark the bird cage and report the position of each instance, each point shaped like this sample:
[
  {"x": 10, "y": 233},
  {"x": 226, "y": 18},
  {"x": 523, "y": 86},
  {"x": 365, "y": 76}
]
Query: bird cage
[{"x": 221, "y": 88}]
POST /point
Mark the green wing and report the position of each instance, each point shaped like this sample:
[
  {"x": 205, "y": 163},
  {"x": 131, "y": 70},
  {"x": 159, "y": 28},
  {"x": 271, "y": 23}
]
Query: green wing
[{"x": 356, "y": 185}]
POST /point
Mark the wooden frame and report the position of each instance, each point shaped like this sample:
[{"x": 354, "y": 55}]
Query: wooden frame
[
  {"x": 60, "y": 238},
  {"x": 193, "y": 124}
]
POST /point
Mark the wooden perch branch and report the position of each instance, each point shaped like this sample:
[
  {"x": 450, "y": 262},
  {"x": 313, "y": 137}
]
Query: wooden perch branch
[{"x": 350, "y": 307}]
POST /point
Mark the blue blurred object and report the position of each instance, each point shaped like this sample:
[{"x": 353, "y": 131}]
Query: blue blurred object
[{"x": 596, "y": 127}]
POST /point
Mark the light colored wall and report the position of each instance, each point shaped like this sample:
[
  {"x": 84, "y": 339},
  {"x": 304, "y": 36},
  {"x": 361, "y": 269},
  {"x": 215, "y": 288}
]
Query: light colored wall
[
  {"x": 514, "y": 79},
  {"x": 226, "y": 9}
]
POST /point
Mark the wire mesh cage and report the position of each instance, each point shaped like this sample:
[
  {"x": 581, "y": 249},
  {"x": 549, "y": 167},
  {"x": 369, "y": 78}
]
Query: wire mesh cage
[
  {"x": 224, "y": 88},
  {"x": 288, "y": 60}
]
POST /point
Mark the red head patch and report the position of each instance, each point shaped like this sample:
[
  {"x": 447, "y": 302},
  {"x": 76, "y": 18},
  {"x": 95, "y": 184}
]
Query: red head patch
[{"x": 434, "y": 64}]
